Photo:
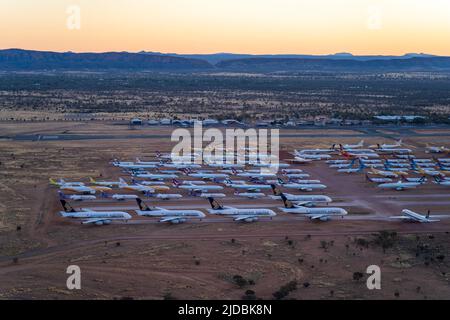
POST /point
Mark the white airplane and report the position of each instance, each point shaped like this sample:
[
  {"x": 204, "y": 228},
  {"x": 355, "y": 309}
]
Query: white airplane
[
  {"x": 394, "y": 150},
  {"x": 246, "y": 215},
  {"x": 304, "y": 199},
  {"x": 136, "y": 187},
  {"x": 250, "y": 195},
  {"x": 132, "y": 166},
  {"x": 156, "y": 176},
  {"x": 388, "y": 174},
  {"x": 298, "y": 181},
  {"x": 172, "y": 216},
  {"x": 302, "y": 187},
  {"x": 104, "y": 183},
  {"x": 84, "y": 189},
  {"x": 201, "y": 194},
  {"x": 76, "y": 197},
  {"x": 388, "y": 146},
  {"x": 181, "y": 165},
  {"x": 400, "y": 185},
  {"x": 322, "y": 214},
  {"x": 90, "y": 216},
  {"x": 166, "y": 196},
  {"x": 248, "y": 174},
  {"x": 123, "y": 197},
  {"x": 300, "y": 160},
  {"x": 378, "y": 180},
  {"x": 297, "y": 175},
  {"x": 353, "y": 146},
  {"x": 208, "y": 176},
  {"x": 431, "y": 149},
  {"x": 441, "y": 182},
  {"x": 408, "y": 215},
  {"x": 61, "y": 182},
  {"x": 291, "y": 171},
  {"x": 225, "y": 165},
  {"x": 245, "y": 186},
  {"x": 195, "y": 187},
  {"x": 308, "y": 156}
]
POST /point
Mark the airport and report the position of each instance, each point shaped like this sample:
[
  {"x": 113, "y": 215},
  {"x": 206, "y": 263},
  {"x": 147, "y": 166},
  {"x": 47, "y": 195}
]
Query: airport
[{"x": 178, "y": 241}]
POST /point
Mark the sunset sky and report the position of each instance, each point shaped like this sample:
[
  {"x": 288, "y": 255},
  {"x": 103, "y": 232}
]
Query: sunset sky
[{"x": 240, "y": 26}]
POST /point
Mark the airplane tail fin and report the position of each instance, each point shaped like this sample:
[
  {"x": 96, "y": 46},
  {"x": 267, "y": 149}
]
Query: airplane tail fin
[
  {"x": 92, "y": 180},
  {"x": 52, "y": 182},
  {"x": 66, "y": 206},
  {"x": 175, "y": 182},
  {"x": 368, "y": 178},
  {"x": 288, "y": 204},
  {"x": 61, "y": 195},
  {"x": 275, "y": 190},
  {"x": 422, "y": 179},
  {"x": 158, "y": 154},
  {"x": 280, "y": 181},
  {"x": 233, "y": 170},
  {"x": 122, "y": 181},
  {"x": 361, "y": 143},
  {"x": 142, "y": 205},
  {"x": 428, "y": 214},
  {"x": 214, "y": 204}
]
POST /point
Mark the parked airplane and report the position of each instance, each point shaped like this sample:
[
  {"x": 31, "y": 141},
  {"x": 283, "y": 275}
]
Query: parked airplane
[
  {"x": 136, "y": 187},
  {"x": 438, "y": 180},
  {"x": 201, "y": 194},
  {"x": 172, "y": 216},
  {"x": 394, "y": 150},
  {"x": 432, "y": 149},
  {"x": 61, "y": 182},
  {"x": 353, "y": 146},
  {"x": 408, "y": 215},
  {"x": 388, "y": 146},
  {"x": 302, "y": 187},
  {"x": 82, "y": 189},
  {"x": 322, "y": 214},
  {"x": 378, "y": 180},
  {"x": 353, "y": 170},
  {"x": 90, "y": 216},
  {"x": 76, "y": 197},
  {"x": 104, "y": 183},
  {"x": 304, "y": 199},
  {"x": 208, "y": 176},
  {"x": 250, "y": 195},
  {"x": 195, "y": 187},
  {"x": 123, "y": 197},
  {"x": 166, "y": 196},
  {"x": 400, "y": 185},
  {"x": 388, "y": 173},
  {"x": 156, "y": 176},
  {"x": 245, "y": 186},
  {"x": 246, "y": 215}
]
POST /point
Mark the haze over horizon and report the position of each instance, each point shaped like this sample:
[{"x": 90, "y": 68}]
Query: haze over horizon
[{"x": 320, "y": 27}]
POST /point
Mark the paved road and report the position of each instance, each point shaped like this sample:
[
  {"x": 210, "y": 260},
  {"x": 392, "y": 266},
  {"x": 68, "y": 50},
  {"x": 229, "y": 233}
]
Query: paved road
[{"x": 398, "y": 132}]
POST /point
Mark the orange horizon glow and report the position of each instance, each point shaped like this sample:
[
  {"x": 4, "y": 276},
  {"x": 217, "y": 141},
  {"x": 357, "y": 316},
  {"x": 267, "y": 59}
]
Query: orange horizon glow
[{"x": 360, "y": 27}]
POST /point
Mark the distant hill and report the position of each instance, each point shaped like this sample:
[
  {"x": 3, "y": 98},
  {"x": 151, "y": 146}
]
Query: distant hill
[
  {"x": 17, "y": 59},
  {"x": 29, "y": 60},
  {"x": 295, "y": 64},
  {"x": 215, "y": 58}
]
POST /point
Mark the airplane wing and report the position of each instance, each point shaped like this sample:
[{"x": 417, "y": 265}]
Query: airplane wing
[
  {"x": 89, "y": 221},
  {"x": 169, "y": 219},
  {"x": 240, "y": 218},
  {"x": 317, "y": 216}
]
